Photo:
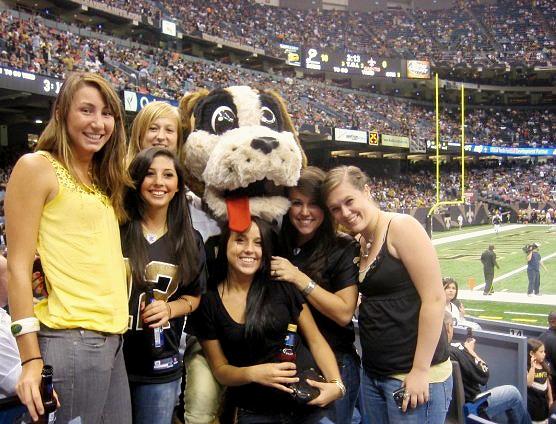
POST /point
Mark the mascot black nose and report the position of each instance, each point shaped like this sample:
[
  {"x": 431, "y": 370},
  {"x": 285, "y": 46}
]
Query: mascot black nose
[{"x": 264, "y": 144}]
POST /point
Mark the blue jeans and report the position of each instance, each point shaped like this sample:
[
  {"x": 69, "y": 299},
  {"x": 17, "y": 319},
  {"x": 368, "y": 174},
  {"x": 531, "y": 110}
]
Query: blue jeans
[
  {"x": 249, "y": 417},
  {"x": 89, "y": 375},
  {"x": 534, "y": 281},
  {"x": 378, "y": 406},
  {"x": 505, "y": 404},
  {"x": 153, "y": 403},
  {"x": 341, "y": 411}
]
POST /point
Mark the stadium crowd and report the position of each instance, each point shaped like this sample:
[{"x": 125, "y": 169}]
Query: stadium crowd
[
  {"x": 467, "y": 35},
  {"x": 33, "y": 46}
]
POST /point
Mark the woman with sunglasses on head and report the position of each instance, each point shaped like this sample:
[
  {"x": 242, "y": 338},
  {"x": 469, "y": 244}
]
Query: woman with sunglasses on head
[
  {"x": 241, "y": 323},
  {"x": 319, "y": 262},
  {"x": 166, "y": 260},
  {"x": 64, "y": 201},
  {"x": 404, "y": 346}
]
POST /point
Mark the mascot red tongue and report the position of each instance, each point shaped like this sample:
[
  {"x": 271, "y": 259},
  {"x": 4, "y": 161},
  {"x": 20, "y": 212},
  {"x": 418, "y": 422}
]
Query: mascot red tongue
[
  {"x": 239, "y": 216},
  {"x": 241, "y": 153}
]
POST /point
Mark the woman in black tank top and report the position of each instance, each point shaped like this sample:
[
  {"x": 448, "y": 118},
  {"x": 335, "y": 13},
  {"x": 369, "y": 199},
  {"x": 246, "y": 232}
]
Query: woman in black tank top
[{"x": 400, "y": 317}]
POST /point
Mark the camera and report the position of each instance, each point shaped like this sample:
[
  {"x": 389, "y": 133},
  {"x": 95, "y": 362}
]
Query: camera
[{"x": 529, "y": 247}]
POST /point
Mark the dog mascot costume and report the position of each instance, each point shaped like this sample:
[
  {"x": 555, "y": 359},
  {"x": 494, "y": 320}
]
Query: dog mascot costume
[{"x": 241, "y": 153}]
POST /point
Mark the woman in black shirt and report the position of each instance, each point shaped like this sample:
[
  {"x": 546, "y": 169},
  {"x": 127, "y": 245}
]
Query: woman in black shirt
[
  {"x": 241, "y": 324},
  {"x": 164, "y": 254},
  {"x": 319, "y": 262},
  {"x": 404, "y": 345}
]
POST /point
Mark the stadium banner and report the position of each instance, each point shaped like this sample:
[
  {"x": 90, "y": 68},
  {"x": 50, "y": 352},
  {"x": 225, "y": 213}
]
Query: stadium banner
[
  {"x": 134, "y": 102},
  {"x": 417, "y": 145},
  {"x": 395, "y": 141},
  {"x": 352, "y": 63},
  {"x": 169, "y": 28},
  {"x": 509, "y": 151},
  {"x": 373, "y": 138},
  {"x": 418, "y": 69},
  {"x": 292, "y": 54},
  {"x": 29, "y": 82},
  {"x": 351, "y": 136}
]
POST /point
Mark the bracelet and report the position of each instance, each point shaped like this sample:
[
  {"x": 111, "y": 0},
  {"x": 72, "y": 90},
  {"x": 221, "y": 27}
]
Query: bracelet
[
  {"x": 340, "y": 386},
  {"x": 169, "y": 310},
  {"x": 310, "y": 287},
  {"x": 189, "y": 303},
  {"x": 31, "y": 359},
  {"x": 24, "y": 326}
]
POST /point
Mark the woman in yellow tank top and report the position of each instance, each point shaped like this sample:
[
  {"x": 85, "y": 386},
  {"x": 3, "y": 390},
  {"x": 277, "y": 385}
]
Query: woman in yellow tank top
[{"x": 64, "y": 201}]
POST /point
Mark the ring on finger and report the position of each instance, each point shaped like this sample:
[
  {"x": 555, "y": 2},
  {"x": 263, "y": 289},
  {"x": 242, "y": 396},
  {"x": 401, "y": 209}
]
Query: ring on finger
[{"x": 406, "y": 395}]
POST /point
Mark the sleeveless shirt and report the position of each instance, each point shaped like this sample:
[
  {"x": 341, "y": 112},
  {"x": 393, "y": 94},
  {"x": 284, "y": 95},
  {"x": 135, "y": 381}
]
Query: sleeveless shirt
[
  {"x": 389, "y": 318},
  {"x": 79, "y": 246}
]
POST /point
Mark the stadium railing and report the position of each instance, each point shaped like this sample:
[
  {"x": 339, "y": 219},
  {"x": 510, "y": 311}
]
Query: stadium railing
[{"x": 510, "y": 328}]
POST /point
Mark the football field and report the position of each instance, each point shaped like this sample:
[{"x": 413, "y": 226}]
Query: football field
[{"x": 459, "y": 253}]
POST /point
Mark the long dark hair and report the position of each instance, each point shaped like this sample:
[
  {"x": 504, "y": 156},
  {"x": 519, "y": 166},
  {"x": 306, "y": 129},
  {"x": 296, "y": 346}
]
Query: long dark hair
[
  {"x": 259, "y": 317},
  {"x": 309, "y": 185},
  {"x": 180, "y": 229},
  {"x": 532, "y": 346}
]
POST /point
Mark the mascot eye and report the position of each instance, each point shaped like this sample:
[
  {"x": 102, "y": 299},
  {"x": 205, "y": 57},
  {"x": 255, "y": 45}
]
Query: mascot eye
[
  {"x": 223, "y": 119},
  {"x": 268, "y": 119}
]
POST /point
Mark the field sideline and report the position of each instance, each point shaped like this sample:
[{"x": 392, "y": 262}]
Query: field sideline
[{"x": 459, "y": 254}]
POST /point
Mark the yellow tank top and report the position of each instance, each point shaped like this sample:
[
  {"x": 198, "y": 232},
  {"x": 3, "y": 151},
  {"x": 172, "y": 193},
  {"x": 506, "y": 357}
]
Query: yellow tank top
[{"x": 79, "y": 246}]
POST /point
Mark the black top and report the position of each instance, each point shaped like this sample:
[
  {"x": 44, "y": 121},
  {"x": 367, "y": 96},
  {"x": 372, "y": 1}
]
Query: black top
[
  {"x": 488, "y": 258},
  {"x": 389, "y": 318},
  {"x": 211, "y": 321},
  {"x": 549, "y": 340},
  {"x": 144, "y": 363},
  {"x": 537, "y": 396},
  {"x": 340, "y": 272},
  {"x": 474, "y": 374}
]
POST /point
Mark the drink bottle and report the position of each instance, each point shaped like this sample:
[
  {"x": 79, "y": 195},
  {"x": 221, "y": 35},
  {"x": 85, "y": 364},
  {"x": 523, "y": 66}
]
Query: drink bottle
[
  {"x": 158, "y": 332},
  {"x": 287, "y": 351},
  {"x": 47, "y": 395}
]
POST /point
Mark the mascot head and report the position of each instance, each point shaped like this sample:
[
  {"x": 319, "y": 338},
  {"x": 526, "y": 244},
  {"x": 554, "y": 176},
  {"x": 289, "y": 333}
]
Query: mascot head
[{"x": 241, "y": 152}]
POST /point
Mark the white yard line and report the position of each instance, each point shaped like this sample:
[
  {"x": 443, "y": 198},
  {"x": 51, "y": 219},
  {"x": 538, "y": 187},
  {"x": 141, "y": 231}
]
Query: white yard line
[{"x": 524, "y": 313}]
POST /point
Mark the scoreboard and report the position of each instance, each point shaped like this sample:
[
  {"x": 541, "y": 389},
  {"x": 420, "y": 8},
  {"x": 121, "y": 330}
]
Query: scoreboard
[{"x": 361, "y": 64}]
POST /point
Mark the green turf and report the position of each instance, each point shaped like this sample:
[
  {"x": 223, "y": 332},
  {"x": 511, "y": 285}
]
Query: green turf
[
  {"x": 499, "y": 310},
  {"x": 461, "y": 259}
]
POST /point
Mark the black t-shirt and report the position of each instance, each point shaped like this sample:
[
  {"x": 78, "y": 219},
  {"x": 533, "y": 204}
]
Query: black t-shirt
[
  {"x": 340, "y": 272},
  {"x": 211, "y": 321},
  {"x": 389, "y": 318},
  {"x": 144, "y": 363}
]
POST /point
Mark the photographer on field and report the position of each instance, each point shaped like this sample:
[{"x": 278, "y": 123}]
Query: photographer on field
[{"x": 533, "y": 268}]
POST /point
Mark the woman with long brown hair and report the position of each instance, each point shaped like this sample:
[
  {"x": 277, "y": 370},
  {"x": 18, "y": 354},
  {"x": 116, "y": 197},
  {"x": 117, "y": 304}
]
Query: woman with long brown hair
[{"x": 64, "y": 201}]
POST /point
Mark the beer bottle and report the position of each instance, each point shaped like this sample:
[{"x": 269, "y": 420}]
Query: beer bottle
[
  {"x": 287, "y": 351},
  {"x": 158, "y": 332},
  {"x": 47, "y": 395}
]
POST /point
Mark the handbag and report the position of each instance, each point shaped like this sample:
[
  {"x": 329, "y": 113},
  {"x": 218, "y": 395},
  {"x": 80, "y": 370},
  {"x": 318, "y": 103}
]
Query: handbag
[{"x": 302, "y": 391}]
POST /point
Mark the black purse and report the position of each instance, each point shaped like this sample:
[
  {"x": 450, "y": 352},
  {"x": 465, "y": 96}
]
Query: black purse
[{"x": 302, "y": 391}]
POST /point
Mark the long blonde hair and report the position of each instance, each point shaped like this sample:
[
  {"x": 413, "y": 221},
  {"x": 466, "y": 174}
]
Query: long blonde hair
[
  {"x": 108, "y": 168},
  {"x": 143, "y": 121}
]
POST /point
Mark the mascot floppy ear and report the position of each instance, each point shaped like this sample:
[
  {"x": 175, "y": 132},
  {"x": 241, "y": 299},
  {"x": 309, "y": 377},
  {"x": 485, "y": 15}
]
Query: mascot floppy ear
[{"x": 186, "y": 109}]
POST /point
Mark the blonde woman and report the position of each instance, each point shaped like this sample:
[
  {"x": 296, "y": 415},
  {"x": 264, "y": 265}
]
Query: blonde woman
[
  {"x": 157, "y": 125},
  {"x": 404, "y": 346},
  {"x": 64, "y": 201}
]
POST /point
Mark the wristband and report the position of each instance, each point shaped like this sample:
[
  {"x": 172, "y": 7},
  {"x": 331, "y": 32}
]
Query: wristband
[
  {"x": 310, "y": 287},
  {"x": 340, "y": 386},
  {"x": 31, "y": 359},
  {"x": 189, "y": 303},
  {"x": 24, "y": 326}
]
